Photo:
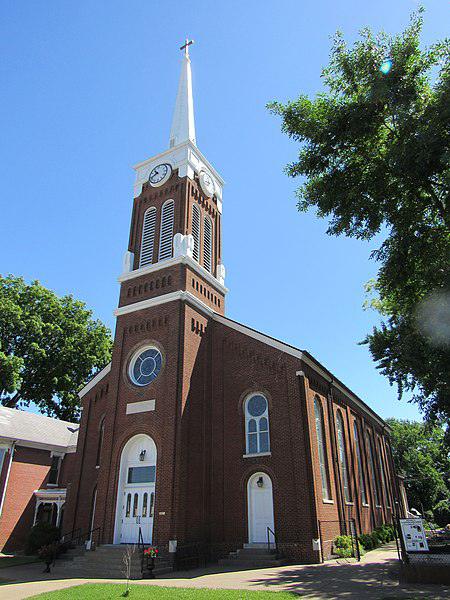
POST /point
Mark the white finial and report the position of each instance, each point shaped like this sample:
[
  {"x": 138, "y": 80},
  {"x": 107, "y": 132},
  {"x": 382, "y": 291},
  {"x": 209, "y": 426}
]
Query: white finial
[{"x": 183, "y": 124}]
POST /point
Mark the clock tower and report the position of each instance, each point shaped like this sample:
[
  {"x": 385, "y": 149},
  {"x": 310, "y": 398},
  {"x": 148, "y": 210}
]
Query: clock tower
[{"x": 174, "y": 247}]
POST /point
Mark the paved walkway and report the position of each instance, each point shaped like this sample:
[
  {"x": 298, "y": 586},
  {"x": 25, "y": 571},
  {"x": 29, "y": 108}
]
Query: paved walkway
[{"x": 374, "y": 578}]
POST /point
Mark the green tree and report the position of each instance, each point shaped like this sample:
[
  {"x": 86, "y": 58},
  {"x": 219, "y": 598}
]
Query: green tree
[
  {"x": 49, "y": 346},
  {"x": 374, "y": 155},
  {"x": 421, "y": 455}
]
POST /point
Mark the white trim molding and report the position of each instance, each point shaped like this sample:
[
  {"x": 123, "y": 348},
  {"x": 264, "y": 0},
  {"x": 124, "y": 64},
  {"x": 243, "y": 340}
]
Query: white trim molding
[
  {"x": 171, "y": 297},
  {"x": 90, "y": 384},
  {"x": 189, "y": 161},
  {"x": 177, "y": 260}
]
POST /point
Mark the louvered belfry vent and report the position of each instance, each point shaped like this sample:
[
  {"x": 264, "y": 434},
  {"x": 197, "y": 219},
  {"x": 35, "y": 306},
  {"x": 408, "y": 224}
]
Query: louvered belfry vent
[
  {"x": 207, "y": 244},
  {"x": 166, "y": 233},
  {"x": 148, "y": 237},
  {"x": 196, "y": 231}
]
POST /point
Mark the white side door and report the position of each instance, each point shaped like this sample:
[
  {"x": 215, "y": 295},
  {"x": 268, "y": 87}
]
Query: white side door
[{"x": 260, "y": 508}]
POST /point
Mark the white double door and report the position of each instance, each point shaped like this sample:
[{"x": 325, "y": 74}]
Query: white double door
[{"x": 138, "y": 513}]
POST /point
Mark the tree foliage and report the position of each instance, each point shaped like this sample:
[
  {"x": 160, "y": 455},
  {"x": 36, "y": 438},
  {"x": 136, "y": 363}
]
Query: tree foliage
[
  {"x": 374, "y": 155},
  {"x": 49, "y": 346},
  {"x": 421, "y": 454}
]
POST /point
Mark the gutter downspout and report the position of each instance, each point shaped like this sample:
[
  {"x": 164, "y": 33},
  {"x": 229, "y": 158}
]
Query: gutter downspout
[{"x": 5, "y": 487}]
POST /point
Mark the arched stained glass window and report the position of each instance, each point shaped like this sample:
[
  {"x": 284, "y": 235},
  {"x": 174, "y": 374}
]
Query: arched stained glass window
[
  {"x": 342, "y": 454},
  {"x": 322, "y": 449},
  {"x": 362, "y": 481},
  {"x": 257, "y": 424},
  {"x": 373, "y": 472}
]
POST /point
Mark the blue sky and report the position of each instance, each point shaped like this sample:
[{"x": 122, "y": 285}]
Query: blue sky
[{"x": 88, "y": 91}]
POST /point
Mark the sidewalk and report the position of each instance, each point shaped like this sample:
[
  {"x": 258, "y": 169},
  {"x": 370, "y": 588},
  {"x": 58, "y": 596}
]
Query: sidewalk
[{"x": 374, "y": 578}]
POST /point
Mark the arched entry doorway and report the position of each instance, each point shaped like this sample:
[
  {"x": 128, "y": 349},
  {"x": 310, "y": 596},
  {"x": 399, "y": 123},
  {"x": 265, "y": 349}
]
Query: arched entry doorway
[
  {"x": 260, "y": 507},
  {"x": 136, "y": 491}
]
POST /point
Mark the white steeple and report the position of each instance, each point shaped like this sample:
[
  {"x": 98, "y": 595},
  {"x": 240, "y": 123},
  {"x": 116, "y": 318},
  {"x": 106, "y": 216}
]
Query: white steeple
[{"x": 183, "y": 124}]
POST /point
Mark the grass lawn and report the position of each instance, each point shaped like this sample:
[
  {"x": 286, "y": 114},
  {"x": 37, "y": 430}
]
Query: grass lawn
[
  {"x": 104, "y": 591},
  {"x": 13, "y": 561}
]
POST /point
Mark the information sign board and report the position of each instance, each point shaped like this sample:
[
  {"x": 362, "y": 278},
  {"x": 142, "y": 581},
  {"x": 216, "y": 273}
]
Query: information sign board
[{"x": 413, "y": 535}]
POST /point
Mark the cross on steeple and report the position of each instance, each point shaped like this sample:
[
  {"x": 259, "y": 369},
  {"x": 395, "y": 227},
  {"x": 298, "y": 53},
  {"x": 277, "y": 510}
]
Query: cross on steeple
[{"x": 186, "y": 45}]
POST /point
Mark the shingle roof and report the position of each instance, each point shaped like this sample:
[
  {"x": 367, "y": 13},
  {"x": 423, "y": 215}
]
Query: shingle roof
[{"x": 33, "y": 429}]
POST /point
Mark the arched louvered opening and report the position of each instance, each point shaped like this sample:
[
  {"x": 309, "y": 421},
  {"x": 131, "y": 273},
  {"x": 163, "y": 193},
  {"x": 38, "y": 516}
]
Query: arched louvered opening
[
  {"x": 207, "y": 244},
  {"x": 148, "y": 237},
  {"x": 196, "y": 231},
  {"x": 166, "y": 232}
]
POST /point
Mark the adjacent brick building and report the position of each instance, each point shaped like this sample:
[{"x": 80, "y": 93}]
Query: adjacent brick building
[{"x": 36, "y": 458}]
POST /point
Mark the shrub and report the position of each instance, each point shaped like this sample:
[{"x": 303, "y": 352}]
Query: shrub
[
  {"x": 42, "y": 534},
  {"x": 366, "y": 541},
  {"x": 342, "y": 546}
]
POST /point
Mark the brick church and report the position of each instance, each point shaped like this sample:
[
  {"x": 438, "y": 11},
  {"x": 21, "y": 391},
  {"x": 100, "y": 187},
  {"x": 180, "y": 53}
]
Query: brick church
[{"x": 202, "y": 432}]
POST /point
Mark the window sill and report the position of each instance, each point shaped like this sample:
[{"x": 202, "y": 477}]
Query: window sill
[
  {"x": 327, "y": 501},
  {"x": 257, "y": 454},
  {"x": 378, "y": 506},
  {"x": 97, "y": 466},
  {"x": 350, "y": 503},
  {"x": 366, "y": 505}
]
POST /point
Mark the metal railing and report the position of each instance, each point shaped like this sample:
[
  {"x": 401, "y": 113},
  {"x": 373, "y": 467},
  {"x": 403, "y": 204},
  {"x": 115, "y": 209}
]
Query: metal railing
[
  {"x": 271, "y": 531},
  {"x": 80, "y": 537},
  {"x": 141, "y": 548}
]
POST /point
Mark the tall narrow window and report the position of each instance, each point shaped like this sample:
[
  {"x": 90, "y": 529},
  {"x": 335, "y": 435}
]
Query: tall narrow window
[
  {"x": 148, "y": 237},
  {"x": 362, "y": 481},
  {"x": 257, "y": 424},
  {"x": 207, "y": 244},
  {"x": 343, "y": 456},
  {"x": 372, "y": 470},
  {"x": 196, "y": 231},
  {"x": 101, "y": 434},
  {"x": 128, "y": 508},
  {"x": 383, "y": 474},
  {"x": 166, "y": 231},
  {"x": 135, "y": 505},
  {"x": 322, "y": 450}
]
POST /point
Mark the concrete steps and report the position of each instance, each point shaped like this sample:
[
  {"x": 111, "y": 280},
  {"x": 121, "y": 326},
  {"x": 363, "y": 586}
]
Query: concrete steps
[
  {"x": 105, "y": 561},
  {"x": 252, "y": 557}
]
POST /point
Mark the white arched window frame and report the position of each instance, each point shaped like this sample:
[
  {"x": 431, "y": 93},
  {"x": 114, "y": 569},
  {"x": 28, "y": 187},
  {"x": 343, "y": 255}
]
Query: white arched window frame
[
  {"x": 166, "y": 230},
  {"x": 342, "y": 454},
  {"x": 362, "y": 481},
  {"x": 196, "y": 231},
  {"x": 322, "y": 449},
  {"x": 257, "y": 424},
  {"x": 148, "y": 237},
  {"x": 208, "y": 243}
]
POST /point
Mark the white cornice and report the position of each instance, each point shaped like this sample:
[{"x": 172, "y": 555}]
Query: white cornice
[
  {"x": 94, "y": 381},
  {"x": 185, "y": 260},
  {"x": 189, "y": 161},
  {"x": 171, "y": 297}
]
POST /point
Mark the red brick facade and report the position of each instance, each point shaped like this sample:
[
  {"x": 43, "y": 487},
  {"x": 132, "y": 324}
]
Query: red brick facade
[{"x": 210, "y": 366}]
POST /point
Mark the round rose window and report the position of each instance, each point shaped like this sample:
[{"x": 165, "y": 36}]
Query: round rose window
[{"x": 145, "y": 366}]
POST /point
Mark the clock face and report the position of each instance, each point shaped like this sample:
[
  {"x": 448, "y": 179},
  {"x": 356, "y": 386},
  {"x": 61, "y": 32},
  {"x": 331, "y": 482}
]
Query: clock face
[
  {"x": 160, "y": 174},
  {"x": 207, "y": 183}
]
